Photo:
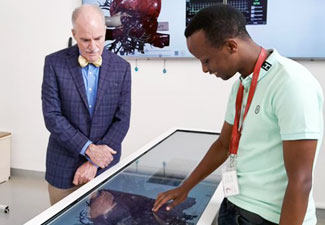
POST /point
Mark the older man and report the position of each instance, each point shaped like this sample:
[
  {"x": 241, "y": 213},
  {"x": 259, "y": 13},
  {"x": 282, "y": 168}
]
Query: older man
[{"x": 86, "y": 105}]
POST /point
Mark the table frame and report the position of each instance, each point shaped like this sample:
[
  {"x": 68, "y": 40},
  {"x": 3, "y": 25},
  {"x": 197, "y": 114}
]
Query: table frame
[{"x": 207, "y": 216}]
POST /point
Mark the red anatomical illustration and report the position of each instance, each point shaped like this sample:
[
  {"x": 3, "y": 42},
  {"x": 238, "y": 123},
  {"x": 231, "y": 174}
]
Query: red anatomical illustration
[{"x": 132, "y": 24}]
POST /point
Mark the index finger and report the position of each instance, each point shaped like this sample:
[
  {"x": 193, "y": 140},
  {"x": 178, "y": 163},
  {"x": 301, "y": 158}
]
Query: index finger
[
  {"x": 112, "y": 151},
  {"x": 162, "y": 199},
  {"x": 76, "y": 179}
]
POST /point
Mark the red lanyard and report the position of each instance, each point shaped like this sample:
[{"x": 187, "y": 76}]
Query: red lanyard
[{"x": 236, "y": 131}]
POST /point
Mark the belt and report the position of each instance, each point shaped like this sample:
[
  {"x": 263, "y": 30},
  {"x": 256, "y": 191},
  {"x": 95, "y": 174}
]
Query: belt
[{"x": 252, "y": 217}]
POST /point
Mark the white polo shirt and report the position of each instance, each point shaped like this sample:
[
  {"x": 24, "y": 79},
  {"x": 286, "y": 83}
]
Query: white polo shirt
[{"x": 287, "y": 105}]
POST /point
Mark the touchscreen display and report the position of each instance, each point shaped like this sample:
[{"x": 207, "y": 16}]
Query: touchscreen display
[{"x": 127, "y": 197}]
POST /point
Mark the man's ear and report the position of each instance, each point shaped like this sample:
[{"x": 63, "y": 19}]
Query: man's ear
[
  {"x": 232, "y": 45},
  {"x": 73, "y": 31}
]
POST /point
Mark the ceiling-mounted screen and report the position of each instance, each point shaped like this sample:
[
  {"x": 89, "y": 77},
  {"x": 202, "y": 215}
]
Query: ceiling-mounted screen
[{"x": 155, "y": 28}]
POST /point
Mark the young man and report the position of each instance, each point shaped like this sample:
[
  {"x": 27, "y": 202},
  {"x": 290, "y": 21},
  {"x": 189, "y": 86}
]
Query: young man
[
  {"x": 86, "y": 101},
  {"x": 273, "y": 126}
]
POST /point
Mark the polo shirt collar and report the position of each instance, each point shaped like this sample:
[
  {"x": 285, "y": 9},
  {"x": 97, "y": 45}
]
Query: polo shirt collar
[{"x": 266, "y": 67}]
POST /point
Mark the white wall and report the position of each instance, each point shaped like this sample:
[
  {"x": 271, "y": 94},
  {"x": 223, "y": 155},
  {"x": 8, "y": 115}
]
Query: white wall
[
  {"x": 29, "y": 31},
  {"x": 183, "y": 97}
]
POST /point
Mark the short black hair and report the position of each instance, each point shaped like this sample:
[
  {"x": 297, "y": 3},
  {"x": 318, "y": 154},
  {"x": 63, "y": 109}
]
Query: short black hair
[{"x": 219, "y": 22}]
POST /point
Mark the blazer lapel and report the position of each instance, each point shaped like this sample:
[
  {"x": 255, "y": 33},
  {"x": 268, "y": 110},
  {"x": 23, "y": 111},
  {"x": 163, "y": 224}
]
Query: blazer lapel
[
  {"x": 76, "y": 73},
  {"x": 103, "y": 83}
]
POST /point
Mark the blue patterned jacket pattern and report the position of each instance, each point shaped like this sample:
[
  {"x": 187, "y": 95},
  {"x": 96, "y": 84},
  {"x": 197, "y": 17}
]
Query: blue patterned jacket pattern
[{"x": 66, "y": 115}]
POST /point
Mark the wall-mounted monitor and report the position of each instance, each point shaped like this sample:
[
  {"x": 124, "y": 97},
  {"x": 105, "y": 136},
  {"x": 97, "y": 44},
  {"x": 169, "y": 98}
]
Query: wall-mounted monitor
[{"x": 155, "y": 28}]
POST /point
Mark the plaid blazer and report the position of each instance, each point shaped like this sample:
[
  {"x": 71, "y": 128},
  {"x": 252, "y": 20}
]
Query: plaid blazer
[{"x": 66, "y": 115}]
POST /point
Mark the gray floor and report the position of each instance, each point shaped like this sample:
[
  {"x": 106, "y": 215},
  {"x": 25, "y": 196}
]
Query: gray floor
[{"x": 26, "y": 194}]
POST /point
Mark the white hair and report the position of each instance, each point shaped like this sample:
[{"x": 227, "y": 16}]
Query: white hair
[{"x": 76, "y": 13}]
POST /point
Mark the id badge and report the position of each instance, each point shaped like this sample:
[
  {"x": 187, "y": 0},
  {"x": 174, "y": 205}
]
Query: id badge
[{"x": 229, "y": 178}]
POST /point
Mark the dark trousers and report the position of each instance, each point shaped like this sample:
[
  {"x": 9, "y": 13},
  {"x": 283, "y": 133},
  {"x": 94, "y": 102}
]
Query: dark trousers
[{"x": 230, "y": 214}]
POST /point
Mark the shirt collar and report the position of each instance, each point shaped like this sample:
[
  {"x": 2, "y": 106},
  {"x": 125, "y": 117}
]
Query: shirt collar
[{"x": 266, "y": 67}]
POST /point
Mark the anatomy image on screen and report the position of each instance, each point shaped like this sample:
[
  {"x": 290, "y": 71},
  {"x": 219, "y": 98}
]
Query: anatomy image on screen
[
  {"x": 115, "y": 207},
  {"x": 132, "y": 24}
]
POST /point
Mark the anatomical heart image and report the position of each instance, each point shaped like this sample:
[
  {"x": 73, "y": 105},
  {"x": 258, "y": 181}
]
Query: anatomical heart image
[{"x": 131, "y": 24}]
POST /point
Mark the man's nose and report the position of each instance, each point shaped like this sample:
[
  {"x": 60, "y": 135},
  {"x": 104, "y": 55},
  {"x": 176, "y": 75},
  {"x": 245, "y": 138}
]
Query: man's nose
[{"x": 92, "y": 45}]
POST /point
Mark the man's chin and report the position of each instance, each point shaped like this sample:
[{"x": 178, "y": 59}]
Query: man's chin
[
  {"x": 223, "y": 77},
  {"x": 92, "y": 58}
]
